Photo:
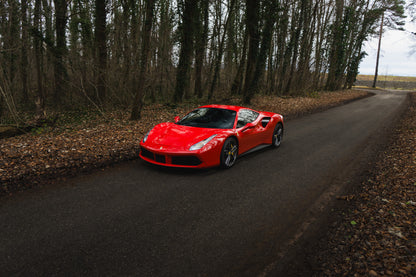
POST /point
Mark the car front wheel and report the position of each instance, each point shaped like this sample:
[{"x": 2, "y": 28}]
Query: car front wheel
[
  {"x": 229, "y": 153},
  {"x": 277, "y": 135}
]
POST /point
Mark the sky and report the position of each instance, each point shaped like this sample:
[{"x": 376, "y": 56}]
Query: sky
[{"x": 395, "y": 57}]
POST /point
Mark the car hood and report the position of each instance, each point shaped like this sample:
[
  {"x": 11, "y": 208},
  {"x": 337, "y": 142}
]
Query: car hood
[{"x": 177, "y": 137}]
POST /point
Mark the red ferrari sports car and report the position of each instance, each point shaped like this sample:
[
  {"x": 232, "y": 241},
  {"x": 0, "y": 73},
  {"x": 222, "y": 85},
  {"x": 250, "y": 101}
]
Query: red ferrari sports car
[{"x": 210, "y": 136}]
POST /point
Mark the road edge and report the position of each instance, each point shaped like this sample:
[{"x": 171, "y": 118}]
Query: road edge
[{"x": 294, "y": 259}]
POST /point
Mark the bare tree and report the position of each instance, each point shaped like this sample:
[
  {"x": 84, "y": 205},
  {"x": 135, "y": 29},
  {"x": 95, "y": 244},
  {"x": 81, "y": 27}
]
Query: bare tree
[
  {"x": 40, "y": 95},
  {"x": 109, "y": 52},
  {"x": 252, "y": 22},
  {"x": 60, "y": 49},
  {"x": 185, "y": 55},
  {"x": 378, "y": 51},
  {"x": 336, "y": 53},
  {"x": 24, "y": 48},
  {"x": 101, "y": 47},
  {"x": 201, "y": 37},
  {"x": 138, "y": 99},
  {"x": 221, "y": 50},
  {"x": 394, "y": 20}
]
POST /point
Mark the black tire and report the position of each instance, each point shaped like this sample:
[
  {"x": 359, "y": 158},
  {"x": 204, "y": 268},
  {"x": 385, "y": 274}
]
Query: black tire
[
  {"x": 277, "y": 135},
  {"x": 229, "y": 153}
]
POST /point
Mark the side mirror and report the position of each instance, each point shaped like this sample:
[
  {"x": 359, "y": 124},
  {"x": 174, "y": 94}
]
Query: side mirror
[
  {"x": 248, "y": 126},
  {"x": 177, "y": 118}
]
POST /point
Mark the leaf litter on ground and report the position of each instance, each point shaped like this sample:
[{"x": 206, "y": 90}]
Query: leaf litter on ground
[{"x": 385, "y": 242}]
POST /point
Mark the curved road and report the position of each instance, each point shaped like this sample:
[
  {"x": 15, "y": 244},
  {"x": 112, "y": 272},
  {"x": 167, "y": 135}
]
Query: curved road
[{"x": 140, "y": 220}]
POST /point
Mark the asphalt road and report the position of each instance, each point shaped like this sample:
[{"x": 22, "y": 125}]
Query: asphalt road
[{"x": 139, "y": 220}]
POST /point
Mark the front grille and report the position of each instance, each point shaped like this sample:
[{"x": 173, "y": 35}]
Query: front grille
[
  {"x": 175, "y": 160},
  {"x": 185, "y": 160},
  {"x": 160, "y": 158},
  {"x": 146, "y": 153}
]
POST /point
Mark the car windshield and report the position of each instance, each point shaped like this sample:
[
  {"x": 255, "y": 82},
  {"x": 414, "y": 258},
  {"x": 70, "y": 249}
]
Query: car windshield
[{"x": 209, "y": 118}]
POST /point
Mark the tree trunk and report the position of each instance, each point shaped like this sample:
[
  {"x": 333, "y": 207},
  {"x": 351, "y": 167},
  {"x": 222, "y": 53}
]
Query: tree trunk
[
  {"x": 200, "y": 45},
  {"x": 24, "y": 59},
  {"x": 282, "y": 60},
  {"x": 11, "y": 45},
  {"x": 221, "y": 51},
  {"x": 272, "y": 8},
  {"x": 378, "y": 50},
  {"x": 289, "y": 49},
  {"x": 185, "y": 55},
  {"x": 147, "y": 30},
  {"x": 101, "y": 48},
  {"x": 252, "y": 22},
  {"x": 60, "y": 73},
  {"x": 336, "y": 54},
  {"x": 295, "y": 54},
  {"x": 40, "y": 96},
  {"x": 164, "y": 48},
  {"x": 238, "y": 80}
]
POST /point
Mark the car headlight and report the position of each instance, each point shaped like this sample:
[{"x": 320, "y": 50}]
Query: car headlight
[
  {"x": 201, "y": 144},
  {"x": 145, "y": 136}
]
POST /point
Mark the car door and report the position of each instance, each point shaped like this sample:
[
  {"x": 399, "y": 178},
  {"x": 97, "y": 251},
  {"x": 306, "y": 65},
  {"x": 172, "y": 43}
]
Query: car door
[{"x": 249, "y": 129}]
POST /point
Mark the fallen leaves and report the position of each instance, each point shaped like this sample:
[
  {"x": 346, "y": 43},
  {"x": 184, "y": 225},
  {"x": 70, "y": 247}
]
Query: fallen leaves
[
  {"x": 298, "y": 106},
  {"x": 396, "y": 231},
  {"x": 385, "y": 241}
]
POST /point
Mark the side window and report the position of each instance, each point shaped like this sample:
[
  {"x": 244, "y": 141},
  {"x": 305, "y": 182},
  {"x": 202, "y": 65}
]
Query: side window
[{"x": 246, "y": 116}]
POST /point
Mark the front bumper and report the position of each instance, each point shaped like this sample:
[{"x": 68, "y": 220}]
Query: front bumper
[{"x": 194, "y": 159}]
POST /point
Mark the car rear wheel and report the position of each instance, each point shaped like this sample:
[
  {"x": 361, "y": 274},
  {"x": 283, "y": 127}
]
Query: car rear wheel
[
  {"x": 229, "y": 153},
  {"x": 277, "y": 135}
]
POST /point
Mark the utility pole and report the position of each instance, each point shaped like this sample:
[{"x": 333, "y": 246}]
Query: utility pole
[{"x": 378, "y": 50}]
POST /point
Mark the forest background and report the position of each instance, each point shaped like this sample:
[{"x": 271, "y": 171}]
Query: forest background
[{"x": 58, "y": 55}]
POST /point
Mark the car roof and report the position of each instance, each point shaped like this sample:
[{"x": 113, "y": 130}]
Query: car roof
[{"x": 226, "y": 107}]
